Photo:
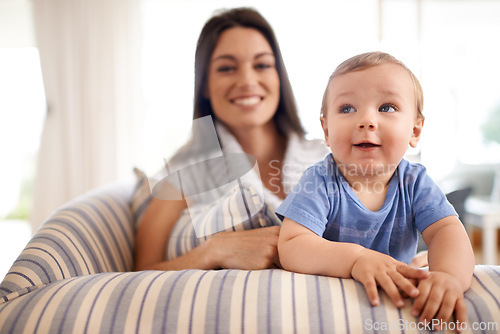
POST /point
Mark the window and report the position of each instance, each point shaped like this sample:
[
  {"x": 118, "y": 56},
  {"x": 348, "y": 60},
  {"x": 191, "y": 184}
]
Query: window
[
  {"x": 21, "y": 118},
  {"x": 461, "y": 70},
  {"x": 22, "y": 110}
]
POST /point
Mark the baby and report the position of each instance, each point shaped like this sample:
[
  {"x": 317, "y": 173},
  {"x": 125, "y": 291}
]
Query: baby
[{"x": 357, "y": 212}]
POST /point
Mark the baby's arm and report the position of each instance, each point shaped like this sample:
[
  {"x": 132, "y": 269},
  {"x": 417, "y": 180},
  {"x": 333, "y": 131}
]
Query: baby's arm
[
  {"x": 301, "y": 250},
  {"x": 451, "y": 263}
]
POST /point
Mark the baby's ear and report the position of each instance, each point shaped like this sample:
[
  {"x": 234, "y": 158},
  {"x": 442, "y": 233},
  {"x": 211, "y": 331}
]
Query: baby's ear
[
  {"x": 417, "y": 131},
  {"x": 324, "y": 125}
]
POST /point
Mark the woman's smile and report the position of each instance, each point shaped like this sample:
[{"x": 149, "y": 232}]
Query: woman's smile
[{"x": 247, "y": 101}]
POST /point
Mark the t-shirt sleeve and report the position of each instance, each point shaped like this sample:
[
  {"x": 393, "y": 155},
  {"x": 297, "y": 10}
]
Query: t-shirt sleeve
[
  {"x": 430, "y": 203},
  {"x": 308, "y": 204}
]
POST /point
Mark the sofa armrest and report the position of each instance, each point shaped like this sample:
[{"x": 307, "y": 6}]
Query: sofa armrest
[
  {"x": 92, "y": 234},
  {"x": 229, "y": 301}
]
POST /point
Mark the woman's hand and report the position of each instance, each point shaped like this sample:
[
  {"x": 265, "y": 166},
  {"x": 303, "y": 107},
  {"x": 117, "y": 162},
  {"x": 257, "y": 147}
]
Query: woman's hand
[{"x": 251, "y": 249}]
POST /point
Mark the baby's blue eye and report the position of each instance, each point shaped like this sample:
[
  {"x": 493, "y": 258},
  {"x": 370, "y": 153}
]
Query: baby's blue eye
[
  {"x": 347, "y": 109},
  {"x": 387, "y": 108}
]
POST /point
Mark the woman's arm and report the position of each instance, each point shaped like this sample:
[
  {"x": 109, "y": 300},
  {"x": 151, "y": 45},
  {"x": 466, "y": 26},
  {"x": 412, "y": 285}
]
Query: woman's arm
[
  {"x": 153, "y": 233},
  {"x": 253, "y": 249}
]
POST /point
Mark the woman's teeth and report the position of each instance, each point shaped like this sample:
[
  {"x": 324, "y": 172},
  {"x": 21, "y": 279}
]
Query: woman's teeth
[{"x": 247, "y": 101}]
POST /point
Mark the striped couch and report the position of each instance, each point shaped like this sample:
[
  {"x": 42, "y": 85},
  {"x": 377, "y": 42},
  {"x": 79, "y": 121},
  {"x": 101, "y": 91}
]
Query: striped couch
[{"x": 75, "y": 276}]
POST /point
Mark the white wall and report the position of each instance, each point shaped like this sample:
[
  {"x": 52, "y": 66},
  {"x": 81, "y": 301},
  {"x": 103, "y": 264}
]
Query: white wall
[{"x": 16, "y": 24}]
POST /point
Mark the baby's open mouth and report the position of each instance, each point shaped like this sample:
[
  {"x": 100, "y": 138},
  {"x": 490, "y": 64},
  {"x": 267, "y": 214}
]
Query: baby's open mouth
[{"x": 366, "y": 145}]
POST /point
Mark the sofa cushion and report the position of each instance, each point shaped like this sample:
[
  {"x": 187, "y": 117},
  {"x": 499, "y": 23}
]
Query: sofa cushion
[{"x": 227, "y": 301}]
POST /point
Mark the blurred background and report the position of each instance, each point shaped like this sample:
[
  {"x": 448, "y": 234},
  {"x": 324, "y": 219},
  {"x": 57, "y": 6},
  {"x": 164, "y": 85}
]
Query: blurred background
[{"x": 90, "y": 89}]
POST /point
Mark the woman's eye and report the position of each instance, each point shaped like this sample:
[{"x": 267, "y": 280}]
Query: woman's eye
[
  {"x": 347, "y": 109},
  {"x": 262, "y": 66},
  {"x": 387, "y": 108},
  {"x": 225, "y": 68}
]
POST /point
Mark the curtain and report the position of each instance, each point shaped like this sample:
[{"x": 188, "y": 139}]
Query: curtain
[{"x": 90, "y": 57}]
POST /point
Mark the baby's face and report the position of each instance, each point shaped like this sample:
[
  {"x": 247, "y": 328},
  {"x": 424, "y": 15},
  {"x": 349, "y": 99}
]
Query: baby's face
[{"x": 371, "y": 118}]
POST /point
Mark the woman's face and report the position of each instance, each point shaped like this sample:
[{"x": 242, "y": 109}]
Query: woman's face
[{"x": 243, "y": 83}]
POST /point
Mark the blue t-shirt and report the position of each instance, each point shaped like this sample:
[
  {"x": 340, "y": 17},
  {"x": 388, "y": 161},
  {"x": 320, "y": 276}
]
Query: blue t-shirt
[{"x": 324, "y": 202}]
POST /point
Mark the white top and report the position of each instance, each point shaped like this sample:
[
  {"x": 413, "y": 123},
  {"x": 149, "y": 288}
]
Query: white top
[
  {"x": 300, "y": 154},
  {"x": 207, "y": 170}
]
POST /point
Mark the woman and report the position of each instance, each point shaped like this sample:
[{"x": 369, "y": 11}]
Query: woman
[{"x": 241, "y": 81}]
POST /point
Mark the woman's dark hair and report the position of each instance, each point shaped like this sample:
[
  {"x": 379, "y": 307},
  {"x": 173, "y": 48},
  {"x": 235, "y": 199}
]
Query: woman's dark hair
[{"x": 286, "y": 117}]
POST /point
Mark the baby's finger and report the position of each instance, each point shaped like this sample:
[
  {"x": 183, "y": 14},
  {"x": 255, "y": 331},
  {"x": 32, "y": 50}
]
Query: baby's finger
[
  {"x": 432, "y": 305},
  {"x": 372, "y": 292},
  {"x": 447, "y": 307},
  {"x": 419, "y": 302},
  {"x": 410, "y": 272},
  {"x": 389, "y": 286},
  {"x": 414, "y": 283},
  {"x": 404, "y": 284},
  {"x": 461, "y": 312}
]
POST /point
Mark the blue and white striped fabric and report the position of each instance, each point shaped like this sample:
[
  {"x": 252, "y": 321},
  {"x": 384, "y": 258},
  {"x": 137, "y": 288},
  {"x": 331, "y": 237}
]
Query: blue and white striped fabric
[
  {"x": 226, "y": 301},
  {"x": 92, "y": 234},
  {"x": 74, "y": 276}
]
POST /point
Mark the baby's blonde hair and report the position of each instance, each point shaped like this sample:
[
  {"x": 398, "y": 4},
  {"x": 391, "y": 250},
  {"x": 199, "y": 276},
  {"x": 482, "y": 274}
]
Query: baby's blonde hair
[{"x": 371, "y": 59}]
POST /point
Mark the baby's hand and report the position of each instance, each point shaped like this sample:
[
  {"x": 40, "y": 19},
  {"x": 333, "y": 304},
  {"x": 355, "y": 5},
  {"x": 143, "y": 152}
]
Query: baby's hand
[
  {"x": 440, "y": 295},
  {"x": 372, "y": 268}
]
